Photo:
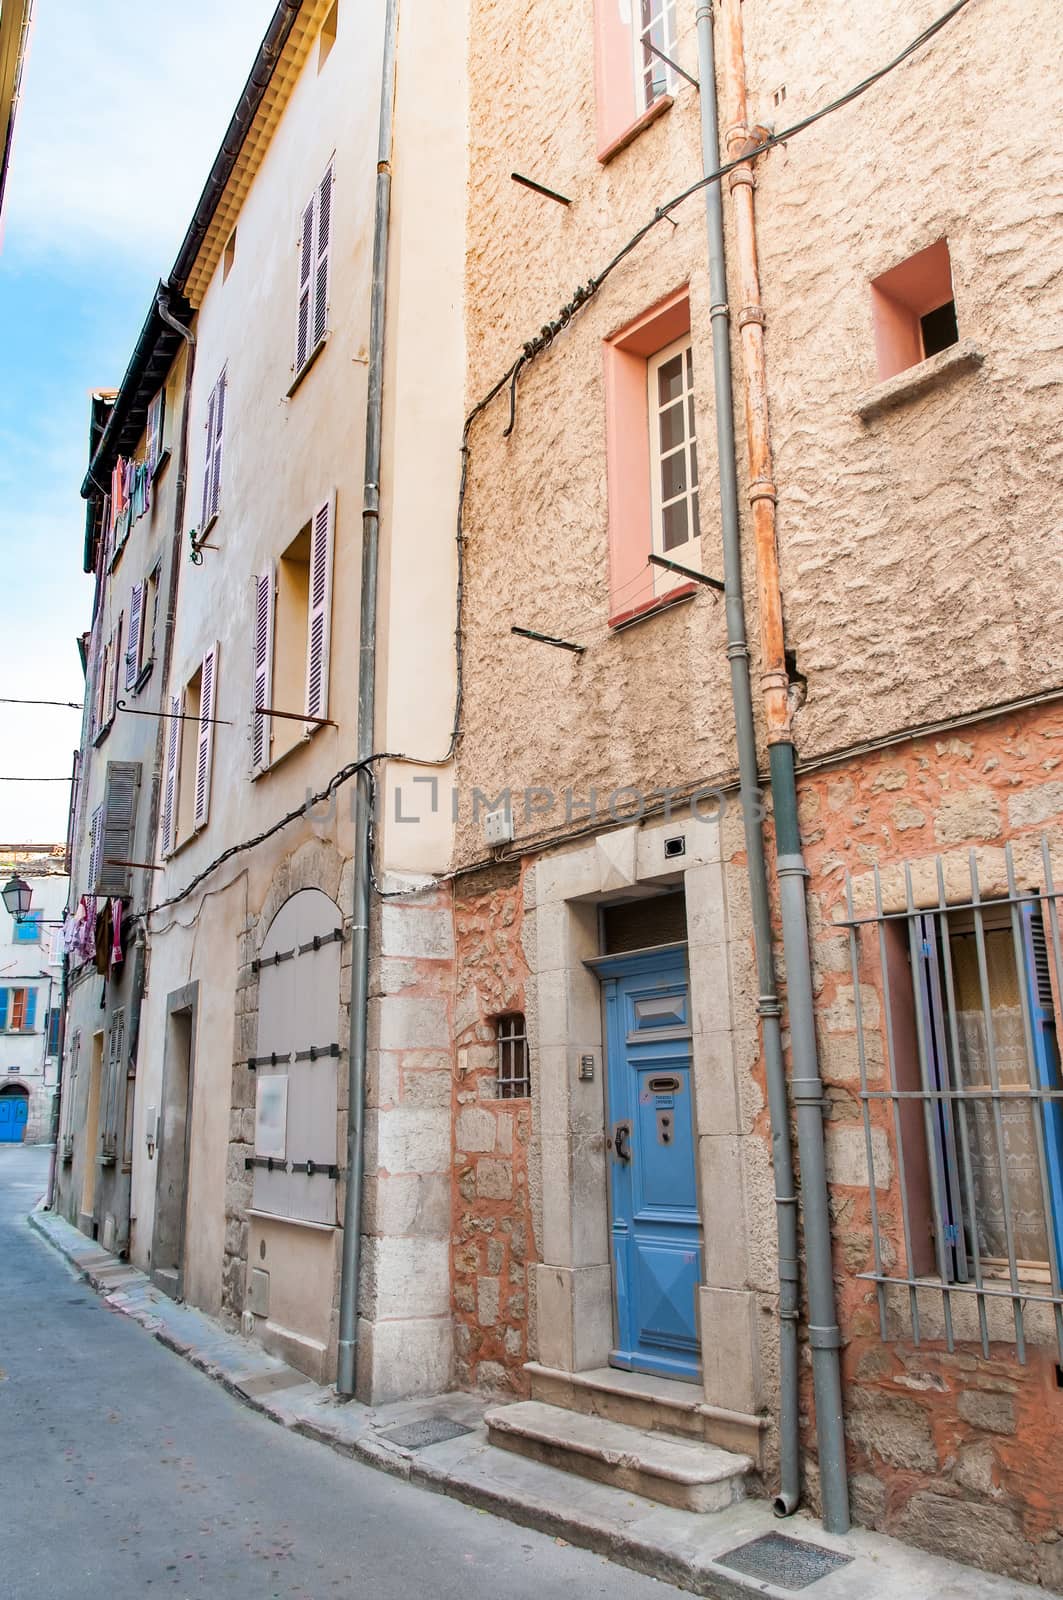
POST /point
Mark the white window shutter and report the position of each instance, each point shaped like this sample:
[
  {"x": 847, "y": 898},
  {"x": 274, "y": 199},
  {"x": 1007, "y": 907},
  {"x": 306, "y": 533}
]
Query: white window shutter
[
  {"x": 136, "y": 624},
  {"x": 95, "y": 848},
  {"x": 320, "y": 618},
  {"x": 208, "y": 694},
  {"x": 208, "y": 458},
  {"x": 263, "y": 669},
  {"x": 321, "y": 253},
  {"x": 169, "y": 793},
  {"x": 156, "y": 417},
  {"x": 219, "y": 421},
  {"x": 306, "y": 285}
]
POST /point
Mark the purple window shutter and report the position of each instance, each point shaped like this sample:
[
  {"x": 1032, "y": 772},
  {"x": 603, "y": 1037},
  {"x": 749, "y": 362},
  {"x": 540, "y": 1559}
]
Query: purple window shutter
[
  {"x": 205, "y": 744},
  {"x": 306, "y": 285},
  {"x": 263, "y": 670},
  {"x": 319, "y": 619},
  {"x": 321, "y": 269}
]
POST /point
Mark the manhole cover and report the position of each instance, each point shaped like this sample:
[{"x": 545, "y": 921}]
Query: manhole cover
[
  {"x": 779, "y": 1559},
  {"x": 430, "y": 1430}
]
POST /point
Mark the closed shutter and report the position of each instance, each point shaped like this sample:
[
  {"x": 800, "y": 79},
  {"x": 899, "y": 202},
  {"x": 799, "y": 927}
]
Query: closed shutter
[
  {"x": 205, "y": 745},
  {"x": 306, "y": 285},
  {"x": 29, "y": 1019},
  {"x": 95, "y": 848},
  {"x": 169, "y": 792},
  {"x": 321, "y": 267},
  {"x": 208, "y": 459},
  {"x": 115, "y": 1057},
  {"x": 219, "y": 424},
  {"x": 156, "y": 418},
  {"x": 5, "y": 1009},
  {"x": 119, "y": 824},
  {"x": 319, "y": 621},
  {"x": 136, "y": 625},
  {"x": 116, "y": 660},
  {"x": 263, "y": 670}
]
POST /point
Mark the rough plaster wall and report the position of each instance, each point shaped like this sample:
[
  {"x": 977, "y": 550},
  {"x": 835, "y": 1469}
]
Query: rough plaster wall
[
  {"x": 651, "y": 705},
  {"x": 493, "y": 1238},
  {"x": 921, "y": 562},
  {"x": 953, "y": 1452}
]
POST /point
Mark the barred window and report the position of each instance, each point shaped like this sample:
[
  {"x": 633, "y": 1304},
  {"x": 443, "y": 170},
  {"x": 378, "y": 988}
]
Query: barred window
[
  {"x": 971, "y": 1097},
  {"x": 513, "y": 1080}
]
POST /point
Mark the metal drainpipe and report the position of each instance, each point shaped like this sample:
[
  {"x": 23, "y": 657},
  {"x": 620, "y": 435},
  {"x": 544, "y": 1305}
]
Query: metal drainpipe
[
  {"x": 768, "y": 1007},
  {"x": 807, "y": 1088},
  {"x": 350, "y": 1269}
]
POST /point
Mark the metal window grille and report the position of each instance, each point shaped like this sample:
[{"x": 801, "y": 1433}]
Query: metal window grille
[
  {"x": 513, "y": 1080},
  {"x": 970, "y": 1106}
]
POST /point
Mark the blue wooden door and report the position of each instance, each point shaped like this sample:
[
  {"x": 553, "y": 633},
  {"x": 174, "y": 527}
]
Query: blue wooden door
[
  {"x": 655, "y": 1224},
  {"x": 14, "y": 1112}
]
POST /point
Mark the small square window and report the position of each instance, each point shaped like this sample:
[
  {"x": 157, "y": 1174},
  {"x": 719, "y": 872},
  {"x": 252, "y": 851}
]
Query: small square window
[
  {"x": 913, "y": 310},
  {"x": 28, "y": 928},
  {"x": 513, "y": 1079}
]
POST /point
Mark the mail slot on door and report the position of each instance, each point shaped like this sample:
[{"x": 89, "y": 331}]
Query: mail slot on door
[{"x": 669, "y": 1084}]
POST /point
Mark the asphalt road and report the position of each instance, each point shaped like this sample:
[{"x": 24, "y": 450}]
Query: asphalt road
[{"x": 126, "y": 1473}]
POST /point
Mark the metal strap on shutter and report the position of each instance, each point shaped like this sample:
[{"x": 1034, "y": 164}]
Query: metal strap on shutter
[
  {"x": 263, "y": 670},
  {"x": 319, "y": 619},
  {"x": 219, "y": 423},
  {"x": 205, "y": 745},
  {"x": 169, "y": 793},
  {"x": 119, "y": 822},
  {"x": 306, "y": 285},
  {"x": 321, "y": 270},
  {"x": 136, "y": 621},
  {"x": 208, "y": 458}
]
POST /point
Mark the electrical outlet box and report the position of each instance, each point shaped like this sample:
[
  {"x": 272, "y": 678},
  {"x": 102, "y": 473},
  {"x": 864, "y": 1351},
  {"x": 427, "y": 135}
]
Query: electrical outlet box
[
  {"x": 258, "y": 1292},
  {"x": 498, "y": 825}
]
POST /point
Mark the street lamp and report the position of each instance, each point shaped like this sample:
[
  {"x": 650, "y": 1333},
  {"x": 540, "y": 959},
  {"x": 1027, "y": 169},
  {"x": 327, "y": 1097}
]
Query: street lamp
[{"x": 17, "y": 897}]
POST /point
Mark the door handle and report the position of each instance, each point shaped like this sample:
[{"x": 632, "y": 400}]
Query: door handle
[{"x": 621, "y": 1141}]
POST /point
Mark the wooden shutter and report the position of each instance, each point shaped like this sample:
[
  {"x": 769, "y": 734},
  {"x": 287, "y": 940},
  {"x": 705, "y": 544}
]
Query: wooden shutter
[
  {"x": 115, "y": 1056},
  {"x": 156, "y": 417},
  {"x": 136, "y": 627},
  {"x": 208, "y": 459},
  {"x": 205, "y": 745},
  {"x": 18, "y": 1010},
  {"x": 319, "y": 619},
  {"x": 219, "y": 423},
  {"x": 95, "y": 848},
  {"x": 306, "y": 285},
  {"x": 321, "y": 264},
  {"x": 5, "y": 1008},
  {"x": 169, "y": 790},
  {"x": 263, "y": 670},
  {"x": 118, "y": 827},
  {"x": 115, "y": 664},
  {"x": 30, "y": 1014}
]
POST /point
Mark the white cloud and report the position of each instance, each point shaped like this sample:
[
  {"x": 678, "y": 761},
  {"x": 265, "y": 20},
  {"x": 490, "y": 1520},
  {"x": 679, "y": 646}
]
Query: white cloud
[{"x": 124, "y": 107}]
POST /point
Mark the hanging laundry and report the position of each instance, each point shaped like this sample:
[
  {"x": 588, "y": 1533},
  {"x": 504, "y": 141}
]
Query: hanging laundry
[{"x": 116, "y": 931}]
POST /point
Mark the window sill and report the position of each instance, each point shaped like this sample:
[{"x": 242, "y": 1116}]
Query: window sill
[
  {"x": 914, "y": 382},
  {"x": 307, "y": 364},
  {"x": 98, "y": 738},
  {"x": 278, "y": 761},
  {"x": 621, "y": 142},
  {"x": 145, "y": 674},
  {"x": 160, "y": 467},
  {"x": 652, "y": 608}
]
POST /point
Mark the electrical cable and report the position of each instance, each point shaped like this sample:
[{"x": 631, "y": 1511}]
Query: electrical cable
[
  {"x": 531, "y": 349},
  {"x": 35, "y": 780},
  {"x": 14, "y": 700}
]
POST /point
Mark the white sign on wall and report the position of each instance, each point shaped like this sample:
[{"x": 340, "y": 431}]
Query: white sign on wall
[{"x": 271, "y": 1116}]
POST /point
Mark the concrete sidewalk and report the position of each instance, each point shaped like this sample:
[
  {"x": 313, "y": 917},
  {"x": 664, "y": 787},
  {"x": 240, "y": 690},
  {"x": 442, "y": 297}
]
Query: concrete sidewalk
[{"x": 441, "y": 1444}]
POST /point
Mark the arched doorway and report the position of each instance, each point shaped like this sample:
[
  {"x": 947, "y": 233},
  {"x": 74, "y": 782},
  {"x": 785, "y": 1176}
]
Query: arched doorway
[{"x": 14, "y": 1113}]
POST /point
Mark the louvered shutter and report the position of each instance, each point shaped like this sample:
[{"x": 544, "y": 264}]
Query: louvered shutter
[
  {"x": 95, "y": 848},
  {"x": 205, "y": 746},
  {"x": 119, "y": 823},
  {"x": 136, "y": 623},
  {"x": 5, "y": 1008},
  {"x": 321, "y": 264},
  {"x": 219, "y": 423},
  {"x": 306, "y": 285},
  {"x": 29, "y": 1019},
  {"x": 263, "y": 669},
  {"x": 319, "y": 619},
  {"x": 169, "y": 792},
  {"x": 116, "y": 664},
  {"x": 208, "y": 459},
  {"x": 156, "y": 417}
]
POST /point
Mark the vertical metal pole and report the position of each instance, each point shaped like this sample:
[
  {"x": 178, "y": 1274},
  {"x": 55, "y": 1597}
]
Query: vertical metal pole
[
  {"x": 789, "y": 1494},
  {"x": 350, "y": 1269}
]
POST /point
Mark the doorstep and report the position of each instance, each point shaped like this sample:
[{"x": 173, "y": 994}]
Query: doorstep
[{"x": 441, "y": 1443}]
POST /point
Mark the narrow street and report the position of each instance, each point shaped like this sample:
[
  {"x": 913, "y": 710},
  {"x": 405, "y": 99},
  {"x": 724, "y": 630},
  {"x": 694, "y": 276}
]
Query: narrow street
[{"x": 126, "y": 1472}]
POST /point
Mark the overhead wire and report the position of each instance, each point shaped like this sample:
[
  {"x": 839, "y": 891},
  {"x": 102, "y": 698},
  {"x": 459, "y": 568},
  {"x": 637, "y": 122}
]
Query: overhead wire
[{"x": 530, "y": 351}]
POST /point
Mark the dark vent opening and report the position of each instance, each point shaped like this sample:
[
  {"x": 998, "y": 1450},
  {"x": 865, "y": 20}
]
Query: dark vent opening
[{"x": 641, "y": 924}]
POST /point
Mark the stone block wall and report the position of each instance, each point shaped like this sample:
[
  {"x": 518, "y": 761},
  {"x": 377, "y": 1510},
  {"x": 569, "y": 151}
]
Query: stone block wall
[
  {"x": 949, "y": 1451},
  {"x": 492, "y": 1243}
]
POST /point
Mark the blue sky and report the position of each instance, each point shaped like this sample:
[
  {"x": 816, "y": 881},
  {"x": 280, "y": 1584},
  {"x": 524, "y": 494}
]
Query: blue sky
[{"x": 123, "y": 108}]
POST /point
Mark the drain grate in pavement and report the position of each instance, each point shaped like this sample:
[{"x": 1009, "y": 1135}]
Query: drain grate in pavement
[
  {"x": 776, "y": 1558},
  {"x": 419, "y": 1435}
]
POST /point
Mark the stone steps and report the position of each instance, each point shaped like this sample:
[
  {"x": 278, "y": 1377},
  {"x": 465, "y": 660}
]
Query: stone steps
[{"x": 684, "y": 1473}]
